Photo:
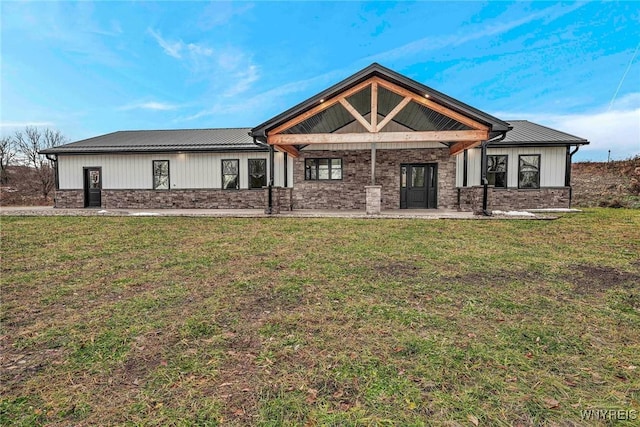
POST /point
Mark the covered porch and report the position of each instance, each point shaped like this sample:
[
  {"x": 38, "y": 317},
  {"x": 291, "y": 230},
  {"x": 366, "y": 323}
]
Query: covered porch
[{"x": 406, "y": 133}]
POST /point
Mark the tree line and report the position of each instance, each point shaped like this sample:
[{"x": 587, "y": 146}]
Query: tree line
[{"x": 23, "y": 149}]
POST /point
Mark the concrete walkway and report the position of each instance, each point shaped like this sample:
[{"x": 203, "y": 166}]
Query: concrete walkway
[{"x": 259, "y": 213}]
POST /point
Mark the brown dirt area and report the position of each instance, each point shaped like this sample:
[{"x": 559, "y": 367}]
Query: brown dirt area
[{"x": 612, "y": 184}]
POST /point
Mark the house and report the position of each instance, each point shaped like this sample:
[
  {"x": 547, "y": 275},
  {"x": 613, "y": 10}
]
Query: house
[{"x": 376, "y": 140}]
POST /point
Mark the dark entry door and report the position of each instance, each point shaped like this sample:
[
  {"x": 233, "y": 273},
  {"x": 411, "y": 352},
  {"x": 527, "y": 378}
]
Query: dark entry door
[
  {"x": 92, "y": 187},
  {"x": 418, "y": 186}
]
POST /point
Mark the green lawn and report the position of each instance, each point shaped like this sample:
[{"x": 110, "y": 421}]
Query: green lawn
[{"x": 208, "y": 321}]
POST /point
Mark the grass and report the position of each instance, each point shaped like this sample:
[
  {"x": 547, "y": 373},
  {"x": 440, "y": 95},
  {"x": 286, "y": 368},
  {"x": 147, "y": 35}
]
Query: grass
[{"x": 205, "y": 321}]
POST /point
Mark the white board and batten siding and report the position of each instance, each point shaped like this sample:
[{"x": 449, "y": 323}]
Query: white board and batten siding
[
  {"x": 186, "y": 170},
  {"x": 552, "y": 165}
]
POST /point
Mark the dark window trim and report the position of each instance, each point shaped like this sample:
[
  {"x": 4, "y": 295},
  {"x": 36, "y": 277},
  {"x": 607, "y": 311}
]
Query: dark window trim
[
  {"x": 222, "y": 174},
  {"x": 249, "y": 173},
  {"x": 317, "y": 168},
  {"x": 153, "y": 175},
  {"x": 539, "y": 166},
  {"x": 506, "y": 172}
]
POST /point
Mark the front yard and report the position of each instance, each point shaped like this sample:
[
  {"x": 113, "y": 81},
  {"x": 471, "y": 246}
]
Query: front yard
[{"x": 207, "y": 321}]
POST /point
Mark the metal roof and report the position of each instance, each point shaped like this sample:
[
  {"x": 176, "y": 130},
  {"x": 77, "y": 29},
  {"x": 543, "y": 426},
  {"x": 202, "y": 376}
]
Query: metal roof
[
  {"x": 230, "y": 139},
  {"x": 525, "y": 132},
  {"x": 497, "y": 125}
]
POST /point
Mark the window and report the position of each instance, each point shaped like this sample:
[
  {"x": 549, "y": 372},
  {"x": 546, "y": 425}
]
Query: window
[
  {"x": 497, "y": 171},
  {"x": 257, "y": 173},
  {"x": 230, "y": 169},
  {"x": 529, "y": 171},
  {"x": 322, "y": 169},
  {"x": 161, "y": 174}
]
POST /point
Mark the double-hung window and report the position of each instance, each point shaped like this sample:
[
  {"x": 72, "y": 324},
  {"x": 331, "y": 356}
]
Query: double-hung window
[
  {"x": 257, "y": 173},
  {"x": 161, "y": 174},
  {"x": 497, "y": 171},
  {"x": 322, "y": 169},
  {"x": 529, "y": 171},
  {"x": 230, "y": 173}
]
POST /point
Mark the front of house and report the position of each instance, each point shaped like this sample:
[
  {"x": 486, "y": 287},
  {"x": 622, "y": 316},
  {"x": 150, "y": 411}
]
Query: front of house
[{"x": 377, "y": 140}]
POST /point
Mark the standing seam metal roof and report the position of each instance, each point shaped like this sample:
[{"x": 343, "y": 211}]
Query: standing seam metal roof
[
  {"x": 526, "y": 132},
  {"x": 162, "y": 140}
]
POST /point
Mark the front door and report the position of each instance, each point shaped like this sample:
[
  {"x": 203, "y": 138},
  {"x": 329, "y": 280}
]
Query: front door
[
  {"x": 92, "y": 187},
  {"x": 418, "y": 186}
]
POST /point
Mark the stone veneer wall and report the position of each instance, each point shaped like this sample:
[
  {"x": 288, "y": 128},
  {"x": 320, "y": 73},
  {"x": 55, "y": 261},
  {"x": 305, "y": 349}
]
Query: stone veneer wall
[
  {"x": 183, "y": 199},
  {"x": 70, "y": 199},
  {"x": 171, "y": 199},
  {"x": 513, "y": 198},
  {"x": 349, "y": 193}
]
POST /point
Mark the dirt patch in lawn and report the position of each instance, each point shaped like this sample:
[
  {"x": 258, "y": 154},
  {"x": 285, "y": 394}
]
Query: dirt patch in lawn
[
  {"x": 396, "y": 270},
  {"x": 589, "y": 279},
  {"x": 585, "y": 279}
]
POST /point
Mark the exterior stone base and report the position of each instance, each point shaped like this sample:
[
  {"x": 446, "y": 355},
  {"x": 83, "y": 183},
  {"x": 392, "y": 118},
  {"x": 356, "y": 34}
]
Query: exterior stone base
[
  {"x": 171, "y": 199},
  {"x": 373, "y": 199},
  {"x": 180, "y": 199},
  {"x": 513, "y": 199},
  {"x": 70, "y": 199},
  {"x": 280, "y": 200}
]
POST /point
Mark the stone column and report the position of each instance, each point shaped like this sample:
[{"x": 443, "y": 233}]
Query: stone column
[{"x": 373, "y": 199}]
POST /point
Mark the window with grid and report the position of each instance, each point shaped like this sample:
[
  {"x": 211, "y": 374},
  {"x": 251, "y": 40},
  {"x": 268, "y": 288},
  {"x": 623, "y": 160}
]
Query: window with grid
[{"x": 323, "y": 169}]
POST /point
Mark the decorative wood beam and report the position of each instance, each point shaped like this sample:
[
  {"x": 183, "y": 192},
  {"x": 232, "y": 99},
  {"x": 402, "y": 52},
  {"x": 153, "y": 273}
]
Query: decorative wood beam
[
  {"x": 374, "y": 107},
  {"x": 394, "y": 112},
  {"x": 346, "y": 138},
  {"x": 431, "y": 104},
  {"x": 356, "y": 115},
  {"x": 320, "y": 107},
  {"x": 289, "y": 149},
  {"x": 460, "y": 146}
]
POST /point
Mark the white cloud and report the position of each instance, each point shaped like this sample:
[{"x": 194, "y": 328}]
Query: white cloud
[
  {"x": 617, "y": 129},
  {"x": 151, "y": 105},
  {"x": 173, "y": 49},
  {"x": 244, "y": 81},
  {"x": 179, "y": 49},
  {"x": 230, "y": 71}
]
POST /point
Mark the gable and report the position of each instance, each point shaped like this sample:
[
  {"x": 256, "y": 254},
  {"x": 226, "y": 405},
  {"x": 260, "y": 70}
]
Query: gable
[
  {"x": 379, "y": 105},
  {"x": 357, "y": 95}
]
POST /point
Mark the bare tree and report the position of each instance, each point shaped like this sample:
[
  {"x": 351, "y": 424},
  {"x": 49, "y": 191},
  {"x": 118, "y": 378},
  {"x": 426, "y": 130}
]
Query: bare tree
[
  {"x": 30, "y": 143},
  {"x": 7, "y": 155}
]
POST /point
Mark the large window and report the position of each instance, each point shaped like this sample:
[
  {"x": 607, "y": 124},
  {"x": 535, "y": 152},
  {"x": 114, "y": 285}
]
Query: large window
[
  {"x": 529, "y": 171},
  {"x": 497, "y": 171},
  {"x": 322, "y": 169},
  {"x": 230, "y": 170},
  {"x": 161, "y": 174},
  {"x": 257, "y": 173}
]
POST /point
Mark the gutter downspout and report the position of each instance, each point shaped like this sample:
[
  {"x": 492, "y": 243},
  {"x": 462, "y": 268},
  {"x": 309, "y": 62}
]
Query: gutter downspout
[
  {"x": 567, "y": 172},
  {"x": 484, "y": 181},
  {"x": 54, "y": 160},
  {"x": 271, "y": 165}
]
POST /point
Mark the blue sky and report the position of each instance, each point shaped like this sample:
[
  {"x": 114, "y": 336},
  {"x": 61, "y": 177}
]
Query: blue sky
[{"x": 89, "y": 68}]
